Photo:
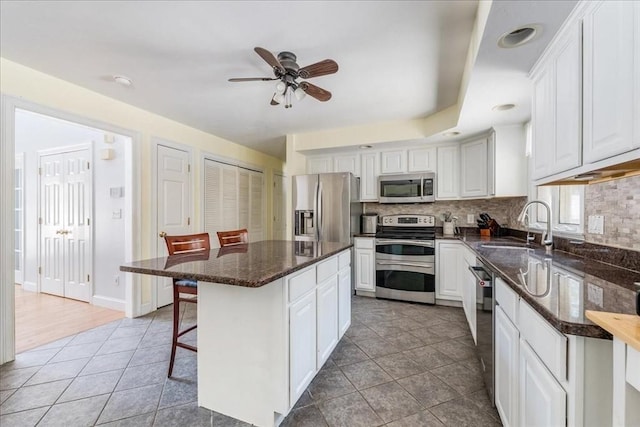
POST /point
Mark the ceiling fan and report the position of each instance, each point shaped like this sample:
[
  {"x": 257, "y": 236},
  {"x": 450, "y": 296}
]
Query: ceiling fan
[{"x": 287, "y": 71}]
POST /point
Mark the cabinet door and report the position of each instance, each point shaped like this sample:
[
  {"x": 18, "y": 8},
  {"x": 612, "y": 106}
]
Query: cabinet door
[
  {"x": 365, "y": 270},
  {"x": 609, "y": 80},
  {"x": 447, "y": 283},
  {"x": 344, "y": 300},
  {"x": 394, "y": 161},
  {"x": 542, "y": 400},
  {"x": 506, "y": 368},
  {"x": 468, "y": 289},
  {"x": 347, "y": 163},
  {"x": 567, "y": 142},
  {"x": 422, "y": 160},
  {"x": 302, "y": 345},
  {"x": 322, "y": 164},
  {"x": 370, "y": 163},
  {"x": 473, "y": 169},
  {"x": 327, "y": 300},
  {"x": 447, "y": 176},
  {"x": 543, "y": 122}
]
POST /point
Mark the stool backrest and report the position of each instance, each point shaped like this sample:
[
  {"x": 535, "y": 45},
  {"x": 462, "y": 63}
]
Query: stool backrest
[
  {"x": 233, "y": 237},
  {"x": 187, "y": 243}
]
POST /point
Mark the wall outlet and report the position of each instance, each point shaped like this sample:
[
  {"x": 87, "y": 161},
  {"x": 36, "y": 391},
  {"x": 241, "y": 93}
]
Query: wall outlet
[
  {"x": 471, "y": 219},
  {"x": 116, "y": 280},
  {"x": 594, "y": 294},
  {"x": 596, "y": 224}
]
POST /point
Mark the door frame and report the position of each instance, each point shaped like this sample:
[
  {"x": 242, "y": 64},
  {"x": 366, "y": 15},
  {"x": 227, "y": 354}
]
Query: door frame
[
  {"x": 61, "y": 150},
  {"x": 19, "y": 274},
  {"x": 155, "y": 142},
  {"x": 133, "y": 205}
]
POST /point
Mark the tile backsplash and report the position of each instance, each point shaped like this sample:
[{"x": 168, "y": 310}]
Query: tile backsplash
[
  {"x": 503, "y": 210},
  {"x": 619, "y": 202}
]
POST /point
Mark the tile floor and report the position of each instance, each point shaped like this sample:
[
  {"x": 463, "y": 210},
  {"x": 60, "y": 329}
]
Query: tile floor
[{"x": 399, "y": 365}]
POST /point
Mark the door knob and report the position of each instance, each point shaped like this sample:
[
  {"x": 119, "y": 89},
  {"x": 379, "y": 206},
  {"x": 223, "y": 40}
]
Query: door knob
[{"x": 162, "y": 234}]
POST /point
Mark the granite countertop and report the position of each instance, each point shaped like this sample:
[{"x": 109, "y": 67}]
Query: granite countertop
[
  {"x": 250, "y": 265},
  {"x": 560, "y": 286}
]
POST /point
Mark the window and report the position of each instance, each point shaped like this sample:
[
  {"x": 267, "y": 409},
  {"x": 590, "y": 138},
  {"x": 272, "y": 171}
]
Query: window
[{"x": 566, "y": 204}]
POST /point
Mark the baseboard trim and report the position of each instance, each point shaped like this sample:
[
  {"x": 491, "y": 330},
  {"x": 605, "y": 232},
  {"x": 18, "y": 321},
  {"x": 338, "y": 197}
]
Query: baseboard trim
[
  {"x": 108, "y": 302},
  {"x": 30, "y": 286}
]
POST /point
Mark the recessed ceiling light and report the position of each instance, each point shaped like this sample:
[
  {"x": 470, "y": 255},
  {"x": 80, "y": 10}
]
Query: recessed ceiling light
[
  {"x": 519, "y": 36},
  {"x": 124, "y": 81},
  {"x": 366, "y": 147},
  {"x": 452, "y": 133},
  {"x": 503, "y": 107}
]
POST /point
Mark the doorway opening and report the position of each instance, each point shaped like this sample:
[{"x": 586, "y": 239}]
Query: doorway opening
[{"x": 70, "y": 233}]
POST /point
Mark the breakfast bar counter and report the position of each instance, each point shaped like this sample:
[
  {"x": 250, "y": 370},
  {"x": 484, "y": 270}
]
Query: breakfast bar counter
[{"x": 269, "y": 315}]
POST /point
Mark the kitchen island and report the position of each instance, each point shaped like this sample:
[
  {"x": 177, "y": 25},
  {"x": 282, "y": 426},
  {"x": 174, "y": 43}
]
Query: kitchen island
[{"x": 269, "y": 315}]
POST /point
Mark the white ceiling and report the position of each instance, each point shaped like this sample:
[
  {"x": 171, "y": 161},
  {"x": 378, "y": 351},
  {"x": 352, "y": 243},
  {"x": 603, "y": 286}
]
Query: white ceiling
[{"x": 398, "y": 60}]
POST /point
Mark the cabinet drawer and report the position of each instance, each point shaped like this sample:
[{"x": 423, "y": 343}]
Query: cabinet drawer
[
  {"x": 344, "y": 259},
  {"x": 507, "y": 299},
  {"x": 364, "y": 243},
  {"x": 327, "y": 269},
  {"x": 633, "y": 367},
  {"x": 301, "y": 283},
  {"x": 549, "y": 344}
]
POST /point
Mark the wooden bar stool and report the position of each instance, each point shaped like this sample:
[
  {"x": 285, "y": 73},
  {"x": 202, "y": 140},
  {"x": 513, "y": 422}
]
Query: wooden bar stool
[
  {"x": 233, "y": 237},
  {"x": 187, "y": 244}
]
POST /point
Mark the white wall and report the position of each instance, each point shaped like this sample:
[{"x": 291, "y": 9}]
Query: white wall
[{"x": 34, "y": 132}]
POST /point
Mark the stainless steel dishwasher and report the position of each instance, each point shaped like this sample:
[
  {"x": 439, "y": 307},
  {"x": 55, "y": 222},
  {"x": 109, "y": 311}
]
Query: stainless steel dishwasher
[{"x": 485, "y": 304}]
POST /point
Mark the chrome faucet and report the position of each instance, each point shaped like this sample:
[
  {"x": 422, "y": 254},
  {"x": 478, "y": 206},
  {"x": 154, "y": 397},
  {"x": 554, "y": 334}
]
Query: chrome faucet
[{"x": 547, "y": 237}]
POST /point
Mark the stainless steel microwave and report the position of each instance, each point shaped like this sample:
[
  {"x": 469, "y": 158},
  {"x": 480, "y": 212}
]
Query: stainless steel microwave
[{"x": 407, "y": 188}]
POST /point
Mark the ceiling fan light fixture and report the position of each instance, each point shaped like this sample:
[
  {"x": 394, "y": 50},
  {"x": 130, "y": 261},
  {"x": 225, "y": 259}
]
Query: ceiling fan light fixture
[
  {"x": 299, "y": 93},
  {"x": 280, "y": 87},
  {"x": 279, "y": 97}
]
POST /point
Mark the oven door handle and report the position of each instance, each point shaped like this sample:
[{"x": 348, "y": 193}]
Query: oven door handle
[
  {"x": 426, "y": 244},
  {"x": 407, "y": 264}
]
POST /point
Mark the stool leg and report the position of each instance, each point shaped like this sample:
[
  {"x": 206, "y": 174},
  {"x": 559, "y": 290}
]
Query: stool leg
[{"x": 176, "y": 323}]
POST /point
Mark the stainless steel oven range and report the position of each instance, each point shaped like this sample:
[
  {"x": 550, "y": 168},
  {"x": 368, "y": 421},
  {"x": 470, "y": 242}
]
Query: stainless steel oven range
[{"x": 405, "y": 258}]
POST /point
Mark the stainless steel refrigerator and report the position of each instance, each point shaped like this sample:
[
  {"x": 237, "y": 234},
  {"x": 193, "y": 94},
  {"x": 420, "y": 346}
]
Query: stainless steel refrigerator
[{"x": 326, "y": 207}]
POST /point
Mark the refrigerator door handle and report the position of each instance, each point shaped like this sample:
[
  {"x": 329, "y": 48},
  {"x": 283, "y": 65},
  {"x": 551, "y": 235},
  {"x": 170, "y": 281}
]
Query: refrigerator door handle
[
  {"x": 319, "y": 211},
  {"x": 316, "y": 231}
]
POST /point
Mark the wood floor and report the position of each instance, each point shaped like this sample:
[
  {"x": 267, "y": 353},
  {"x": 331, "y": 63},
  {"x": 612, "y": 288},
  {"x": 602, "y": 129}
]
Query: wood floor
[{"x": 42, "y": 318}]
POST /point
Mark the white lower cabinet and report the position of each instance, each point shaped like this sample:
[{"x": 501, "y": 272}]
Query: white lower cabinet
[
  {"x": 302, "y": 345},
  {"x": 327, "y": 328},
  {"x": 543, "y": 402},
  {"x": 365, "y": 264},
  {"x": 319, "y": 315},
  {"x": 507, "y": 343},
  {"x": 344, "y": 300},
  {"x": 467, "y": 259},
  {"x": 447, "y": 273}
]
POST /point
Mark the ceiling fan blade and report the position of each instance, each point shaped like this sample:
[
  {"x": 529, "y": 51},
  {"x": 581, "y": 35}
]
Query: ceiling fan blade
[
  {"x": 315, "y": 91},
  {"x": 269, "y": 59},
  {"x": 252, "y": 79},
  {"x": 322, "y": 68}
]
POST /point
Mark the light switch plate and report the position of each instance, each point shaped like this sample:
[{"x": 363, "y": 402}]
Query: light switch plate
[
  {"x": 594, "y": 294},
  {"x": 116, "y": 214},
  {"x": 596, "y": 224}
]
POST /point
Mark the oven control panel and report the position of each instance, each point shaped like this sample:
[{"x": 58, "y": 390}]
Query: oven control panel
[{"x": 409, "y": 220}]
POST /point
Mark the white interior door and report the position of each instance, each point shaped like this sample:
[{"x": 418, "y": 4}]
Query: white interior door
[
  {"x": 65, "y": 231},
  {"x": 51, "y": 228},
  {"x": 279, "y": 201},
  {"x": 173, "y": 205}
]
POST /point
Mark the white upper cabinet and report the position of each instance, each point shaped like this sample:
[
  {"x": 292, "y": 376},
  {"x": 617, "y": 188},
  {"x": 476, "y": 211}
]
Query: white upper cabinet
[
  {"x": 370, "y": 169},
  {"x": 393, "y": 161},
  {"x": 448, "y": 175},
  {"x": 611, "y": 68},
  {"x": 319, "y": 164},
  {"x": 422, "y": 159},
  {"x": 556, "y": 106},
  {"x": 347, "y": 163},
  {"x": 473, "y": 168}
]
